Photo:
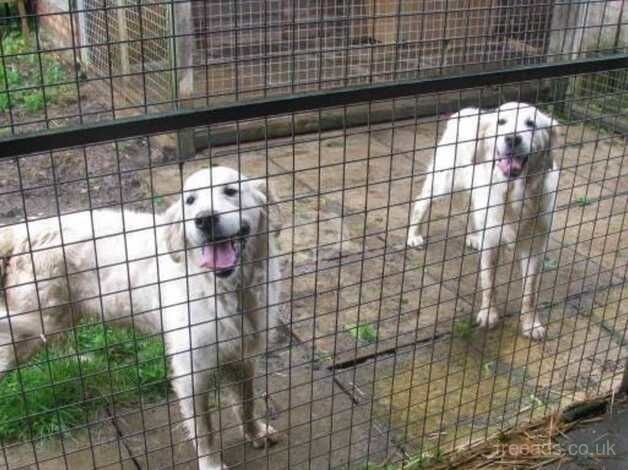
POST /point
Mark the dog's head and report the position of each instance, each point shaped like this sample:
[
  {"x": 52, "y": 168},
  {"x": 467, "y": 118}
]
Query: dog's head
[
  {"x": 219, "y": 212},
  {"x": 521, "y": 138}
]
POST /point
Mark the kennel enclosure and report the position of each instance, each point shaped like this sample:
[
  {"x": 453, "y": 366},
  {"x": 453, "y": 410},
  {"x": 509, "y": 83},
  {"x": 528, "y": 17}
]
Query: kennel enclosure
[{"x": 377, "y": 361}]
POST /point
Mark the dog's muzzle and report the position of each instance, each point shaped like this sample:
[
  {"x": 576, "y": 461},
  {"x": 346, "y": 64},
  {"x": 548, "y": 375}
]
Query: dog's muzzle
[
  {"x": 511, "y": 160},
  {"x": 222, "y": 251},
  {"x": 511, "y": 165}
]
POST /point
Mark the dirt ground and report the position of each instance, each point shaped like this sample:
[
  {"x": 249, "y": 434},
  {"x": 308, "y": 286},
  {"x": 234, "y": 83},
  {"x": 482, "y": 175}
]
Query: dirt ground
[{"x": 431, "y": 381}]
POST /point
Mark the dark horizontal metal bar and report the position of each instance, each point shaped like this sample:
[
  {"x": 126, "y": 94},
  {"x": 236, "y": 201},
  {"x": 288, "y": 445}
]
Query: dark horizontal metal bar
[{"x": 175, "y": 120}]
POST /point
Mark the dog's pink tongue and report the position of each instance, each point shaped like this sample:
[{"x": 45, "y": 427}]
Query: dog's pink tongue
[
  {"x": 510, "y": 166},
  {"x": 219, "y": 256}
]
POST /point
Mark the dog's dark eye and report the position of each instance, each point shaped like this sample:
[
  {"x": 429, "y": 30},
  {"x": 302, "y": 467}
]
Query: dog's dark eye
[
  {"x": 190, "y": 200},
  {"x": 501, "y": 122},
  {"x": 230, "y": 191},
  {"x": 531, "y": 124}
]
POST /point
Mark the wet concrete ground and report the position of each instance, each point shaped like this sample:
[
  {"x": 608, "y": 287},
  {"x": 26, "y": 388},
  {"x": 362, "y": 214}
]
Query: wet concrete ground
[
  {"x": 431, "y": 381},
  {"x": 599, "y": 445}
]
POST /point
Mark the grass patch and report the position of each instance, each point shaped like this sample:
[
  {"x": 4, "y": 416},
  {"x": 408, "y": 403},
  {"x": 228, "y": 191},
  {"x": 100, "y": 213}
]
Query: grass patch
[
  {"x": 65, "y": 386},
  {"x": 30, "y": 80}
]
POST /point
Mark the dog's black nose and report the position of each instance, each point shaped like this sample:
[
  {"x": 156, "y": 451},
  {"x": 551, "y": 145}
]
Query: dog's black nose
[
  {"x": 206, "y": 221},
  {"x": 513, "y": 140}
]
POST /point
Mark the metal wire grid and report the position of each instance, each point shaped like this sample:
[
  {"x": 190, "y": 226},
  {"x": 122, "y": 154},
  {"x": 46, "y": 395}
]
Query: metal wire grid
[
  {"x": 427, "y": 383},
  {"x": 608, "y": 36},
  {"x": 131, "y": 42},
  {"x": 258, "y": 48}
]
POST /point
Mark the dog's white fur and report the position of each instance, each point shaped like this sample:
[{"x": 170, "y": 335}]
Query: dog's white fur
[
  {"x": 510, "y": 209},
  {"x": 144, "y": 269}
]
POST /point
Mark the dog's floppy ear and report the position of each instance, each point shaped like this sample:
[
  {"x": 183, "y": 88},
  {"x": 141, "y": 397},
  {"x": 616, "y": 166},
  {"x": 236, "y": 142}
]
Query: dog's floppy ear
[
  {"x": 267, "y": 198},
  {"x": 174, "y": 230},
  {"x": 554, "y": 135},
  {"x": 555, "y": 139},
  {"x": 482, "y": 139}
]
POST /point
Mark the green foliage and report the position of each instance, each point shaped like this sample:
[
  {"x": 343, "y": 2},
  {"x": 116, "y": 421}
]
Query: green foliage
[
  {"x": 4, "y": 102},
  {"x": 63, "y": 387},
  {"x": 34, "y": 102},
  {"x": 29, "y": 80}
]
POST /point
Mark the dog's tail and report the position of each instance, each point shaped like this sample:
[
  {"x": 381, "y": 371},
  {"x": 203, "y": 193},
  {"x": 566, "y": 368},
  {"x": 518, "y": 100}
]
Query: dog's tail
[
  {"x": 7, "y": 248},
  {"x": 7, "y": 241},
  {"x": 551, "y": 191}
]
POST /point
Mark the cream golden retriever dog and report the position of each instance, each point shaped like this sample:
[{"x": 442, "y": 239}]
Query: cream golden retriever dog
[
  {"x": 503, "y": 158},
  {"x": 201, "y": 274}
]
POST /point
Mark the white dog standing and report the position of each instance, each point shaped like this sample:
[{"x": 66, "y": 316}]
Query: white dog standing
[
  {"x": 504, "y": 159},
  {"x": 201, "y": 273}
]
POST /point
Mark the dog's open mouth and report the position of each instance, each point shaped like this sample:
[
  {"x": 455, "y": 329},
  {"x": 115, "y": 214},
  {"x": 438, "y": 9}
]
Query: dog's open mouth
[
  {"x": 223, "y": 255},
  {"x": 511, "y": 165}
]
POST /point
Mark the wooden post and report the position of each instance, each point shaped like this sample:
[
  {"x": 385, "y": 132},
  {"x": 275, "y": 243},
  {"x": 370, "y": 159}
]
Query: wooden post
[
  {"x": 123, "y": 39},
  {"x": 382, "y": 21},
  {"x": 21, "y": 9},
  {"x": 183, "y": 76}
]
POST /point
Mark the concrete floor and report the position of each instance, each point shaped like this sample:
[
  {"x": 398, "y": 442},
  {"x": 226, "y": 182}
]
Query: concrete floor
[
  {"x": 599, "y": 445},
  {"x": 430, "y": 382}
]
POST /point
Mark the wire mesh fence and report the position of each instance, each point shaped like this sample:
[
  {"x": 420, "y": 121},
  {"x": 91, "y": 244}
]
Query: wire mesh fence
[
  {"x": 96, "y": 60},
  {"x": 318, "y": 279}
]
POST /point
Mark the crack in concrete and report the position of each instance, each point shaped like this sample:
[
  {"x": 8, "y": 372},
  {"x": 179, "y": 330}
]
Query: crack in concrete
[{"x": 122, "y": 438}]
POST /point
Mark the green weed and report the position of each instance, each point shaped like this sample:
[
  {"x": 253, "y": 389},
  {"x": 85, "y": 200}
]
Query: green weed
[
  {"x": 463, "y": 329},
  {"x": 584, "y": 201},
  {"x": 364, "y": 332},
  {"x": 549, "y": 264},
  {"x": 424, "y": 460}
]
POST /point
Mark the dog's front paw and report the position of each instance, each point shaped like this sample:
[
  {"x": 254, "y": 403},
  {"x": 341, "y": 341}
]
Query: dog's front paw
[
  {"x": 415, "y": 240},
  {"x": 202, "y": 465},
  {"x": 473, "y": 242},
  {"x": 487, "y": 318},
  {"x": 534, "y": 330},
  {"x": 264, "y": 436}
]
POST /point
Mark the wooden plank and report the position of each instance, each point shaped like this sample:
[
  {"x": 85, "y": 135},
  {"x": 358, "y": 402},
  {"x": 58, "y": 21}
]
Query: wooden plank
[{"x": 183, "y": 76}]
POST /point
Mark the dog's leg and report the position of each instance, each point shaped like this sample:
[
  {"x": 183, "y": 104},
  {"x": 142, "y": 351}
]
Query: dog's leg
[
  {"x": 7, "y": 350},
  {"x": 530, "y": 322},
  {"x": 487, "y": 316},
  {"x": 36, "y": 314},
  {"x": 19, "y": 348},
  {"x": 473, "y": 240},
  {"x": 194, "y": 406},
  {"x": 254, "y": 430},
  {"x": 434, "y": 187},
  {"x": 488, "y": 243}
]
